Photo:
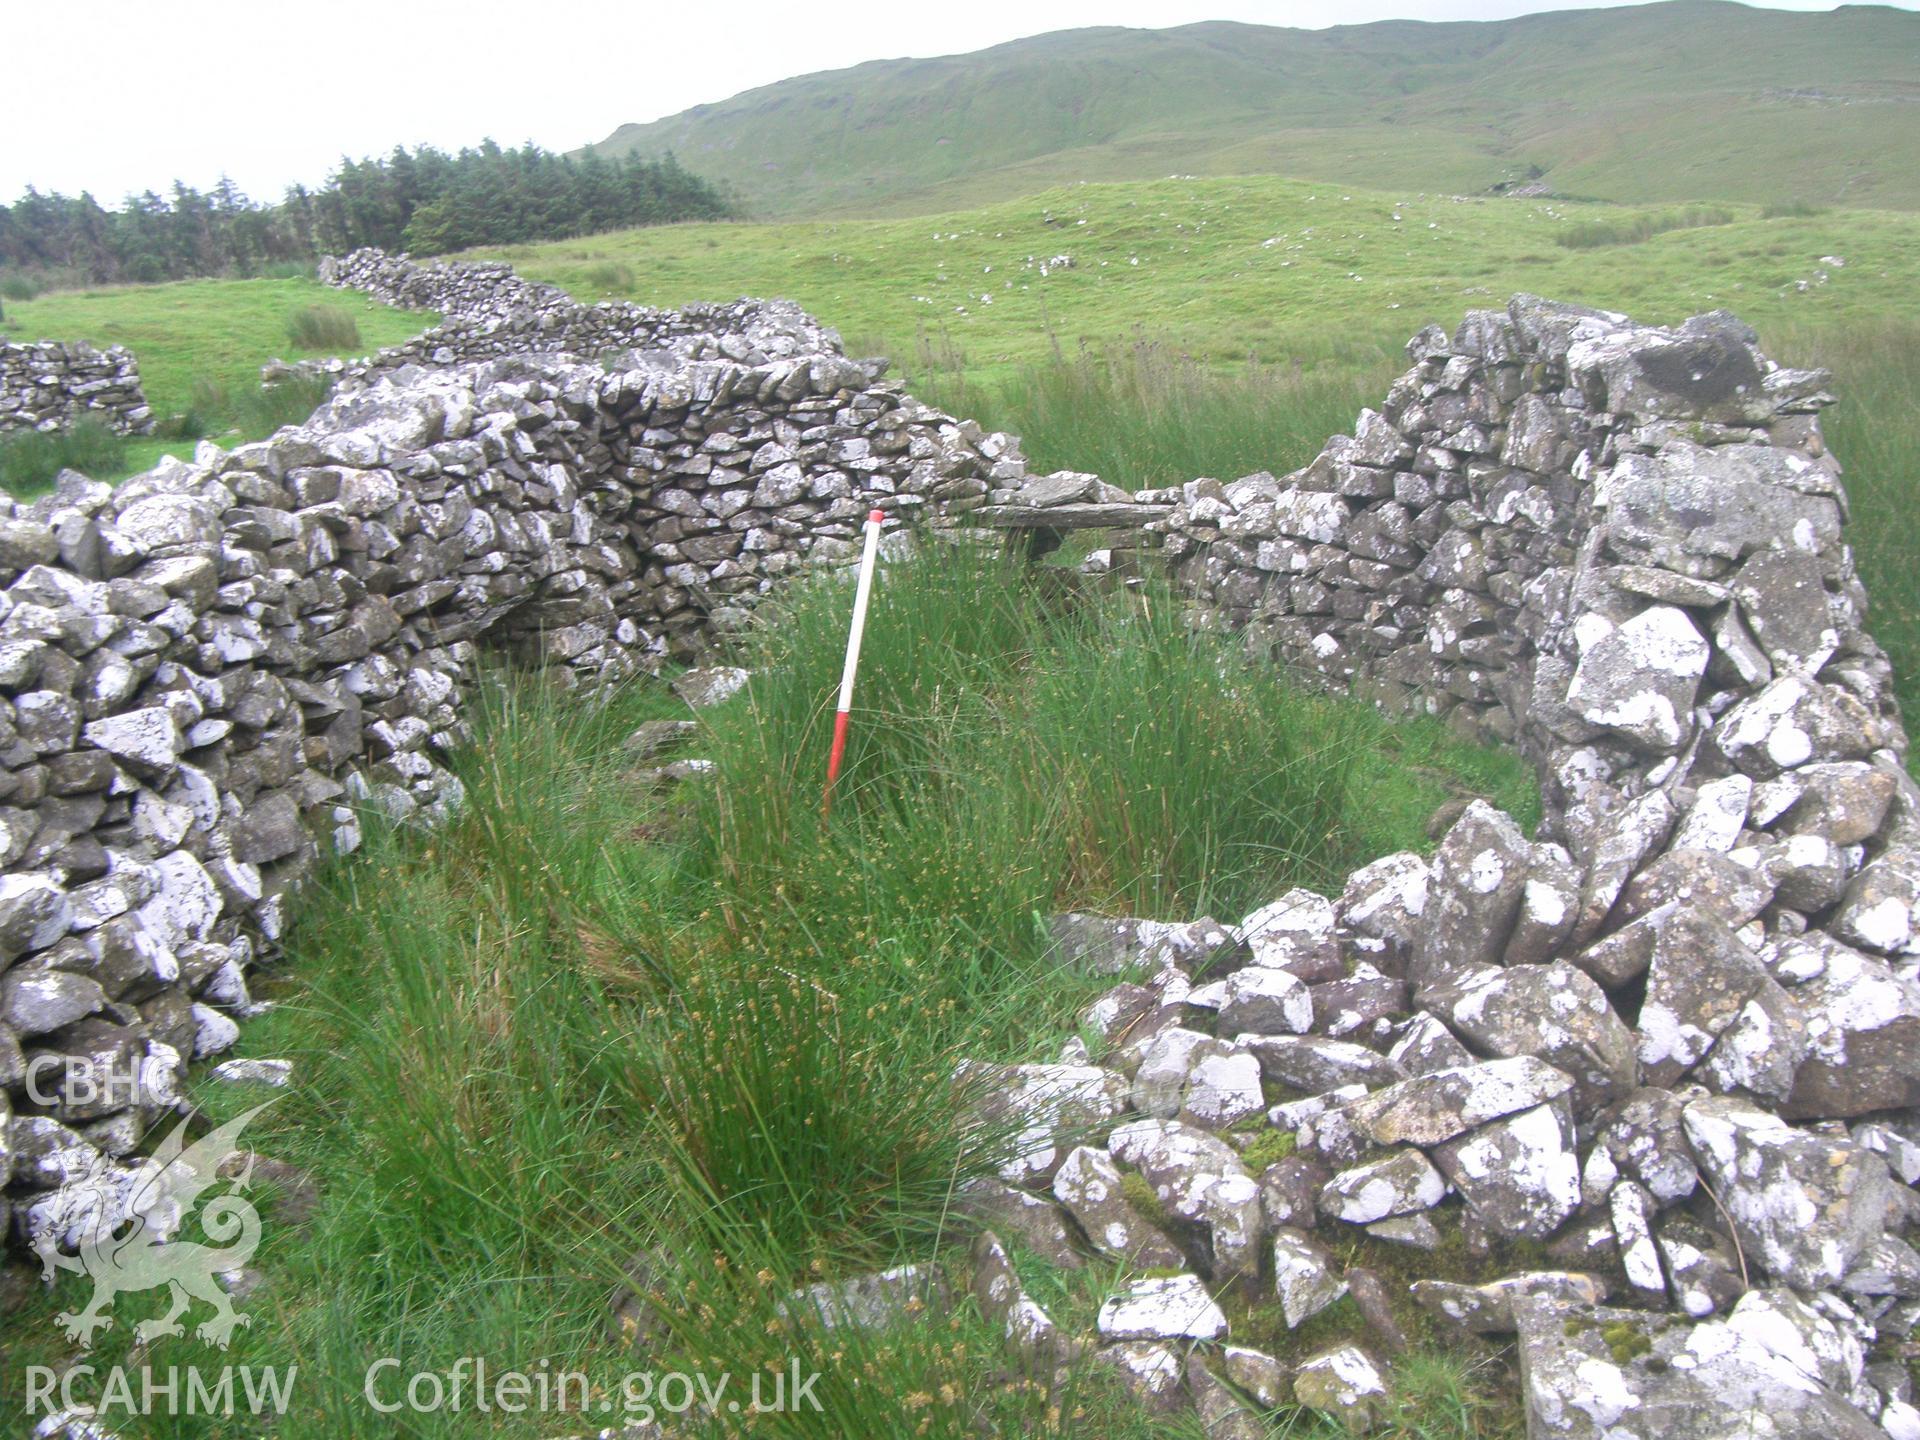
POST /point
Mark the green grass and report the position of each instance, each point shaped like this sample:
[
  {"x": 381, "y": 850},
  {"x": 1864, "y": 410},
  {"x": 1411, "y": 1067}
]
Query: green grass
[
  {"x": 586, "y": 1020},
  {"x": 29, "y": 459},
  {"x": 324, "y": 328},
  {"x": 200, "y": 345},
  {"x": 1141, "y": 414},
  {"x": 1644, "y": 227},
  {"x": 1662, "y": 103},
  {"x": 1320, "y": 278}
]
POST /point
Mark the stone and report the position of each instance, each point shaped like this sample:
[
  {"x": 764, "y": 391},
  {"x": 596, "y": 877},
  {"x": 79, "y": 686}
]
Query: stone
[
  {"x": 1693, "y": 509},
  {"x": 1345, "y": 1384},
  {"x": 1642, "y": 1138},
  {"x": 1290, "y": 1192},
  {"x": 1088, "y": 1184},
  {"x": 1040, "y": 1107},
  {"x": 1116, "y": 1012},
  {"x": 1784, "y": 599},
  {"x": 1295, "y": 934},
  {"x": 1266, "y": 1379},
  {"x": 1316, "y": 1064},
  {"x": 275, "y": 1074},
  {"x": 1173, "y": 1307},
  {"x": 1106, "y": 946},
  {"x": 1862, "y": 1039},
  {"x": 1264, "y": 1001},
  {"x": 1881, "y": 910},
  {"x": 1761, "y": 1051},
  {"x": 1416, "y": 1231},
  {"x": 1303, "y": 1277},
  {"x": 269, "y": 831},
  {"x": 1804, "y": 1206},
  {"x": 1223, "y": 1088},
  {"x": 1702, "y": 1269},
  {"x": 1605, "y": 1374},
  {"x": 34, "y": 912},
  {"x": 1793, "y": 721},
  {"x": 1160, "y": 1084},
  {"x": 1520, "y": 1174},
  {"x": 146, "y": 740},
  {"x": 1701, "y": 979},
  {"x": 1716, "y": 817},
  {"x": 35, "y": 1002},
  {"x": 869, "y": 1303},
  {"x": 1374, "y": 1301},
  {"x": 1549, "y": 907},
  {"x": 1630, "y": 1209},
  {"x": 1700, "y": 880},
  {"x": 1639, "y": 679},
  {"x": 1618, "y": 845},
  {"x": 1386, "y": 899},
  {"x": 1401, "y": 1183},
  {"x": 713, "y": 686},
  {"x": 1553, "y": 1012},
  {"x": 1152, "y": 1373},
  {"x": 1024, "y": 1325},
  {"x": 1473, "y": 898},
  {"x": 1845, "y": 803},
  {"x": 1445, "y": 1103},
  {"x": 1425, "y": 1045},
  {"x": 654, "y": 736},
  {"x": 1488, "y": 1309},
  {"x": 1219, "y": 1410},
  {"x": 1364, "y": 1001},
  {"x": 1198, "y": 1179},
  {"x": 1888, "y": 1266}
]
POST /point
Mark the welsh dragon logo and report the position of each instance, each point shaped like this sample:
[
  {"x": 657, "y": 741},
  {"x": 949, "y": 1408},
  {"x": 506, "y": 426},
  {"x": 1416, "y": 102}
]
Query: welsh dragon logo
[{"x": 131, "y": 1254}]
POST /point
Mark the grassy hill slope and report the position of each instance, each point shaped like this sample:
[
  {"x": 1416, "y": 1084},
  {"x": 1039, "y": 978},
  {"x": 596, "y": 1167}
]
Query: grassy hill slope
[
  {"x": 1292, "y": 272},
  {"x": 1688, "y": 100}
]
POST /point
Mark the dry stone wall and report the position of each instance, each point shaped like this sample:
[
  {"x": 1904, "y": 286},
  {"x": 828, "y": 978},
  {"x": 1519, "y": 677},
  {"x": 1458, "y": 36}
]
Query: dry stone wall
[
  {"x": 50, "y": 385},
  {"x": 491, "y": 312},
  {"x": 1675, "y": 1037}
]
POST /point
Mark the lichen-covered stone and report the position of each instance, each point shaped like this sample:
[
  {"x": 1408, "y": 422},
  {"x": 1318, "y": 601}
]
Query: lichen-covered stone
[
  {"x": 1402, "y": 1183},
  {"x": 1804, "y": 1205}
]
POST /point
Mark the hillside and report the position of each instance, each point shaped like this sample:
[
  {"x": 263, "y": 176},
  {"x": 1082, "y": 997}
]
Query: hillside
[
  {"x": 1318, "y": 275},
  {"x": 1690, "y": 100}
]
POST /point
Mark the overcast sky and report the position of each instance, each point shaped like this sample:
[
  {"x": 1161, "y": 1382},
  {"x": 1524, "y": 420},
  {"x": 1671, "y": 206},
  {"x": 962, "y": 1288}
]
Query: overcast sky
[{"x": 115, "y": 96}]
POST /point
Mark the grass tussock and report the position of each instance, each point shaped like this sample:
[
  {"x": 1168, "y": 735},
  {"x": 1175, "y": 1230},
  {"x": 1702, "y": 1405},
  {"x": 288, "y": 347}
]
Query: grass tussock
[
  {"x": 30, "y": 459},
  {"x": 609, "y": 277},
  {"x": 1145, "y": 414},
  {"x": 228, "y": 411},
  {"x": 323, "y": 327},
  {"x": 1632, "y": 229}
]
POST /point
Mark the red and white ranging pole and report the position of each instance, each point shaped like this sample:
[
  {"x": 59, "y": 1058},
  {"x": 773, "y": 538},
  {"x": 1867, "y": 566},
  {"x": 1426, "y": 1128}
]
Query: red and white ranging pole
[{"x": 863, "y": 591}]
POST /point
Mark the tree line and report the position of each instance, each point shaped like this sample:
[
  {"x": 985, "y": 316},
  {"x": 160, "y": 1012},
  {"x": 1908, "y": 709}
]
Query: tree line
[{"x": 424, "y": 201}]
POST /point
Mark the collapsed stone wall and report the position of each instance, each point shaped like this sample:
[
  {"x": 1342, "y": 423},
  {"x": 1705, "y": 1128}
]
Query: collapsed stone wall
[
  {"x": 491, "y": 312},
  {"x": 1675, "y": 1036},
  {"x": 209, "y": 669},
  {"x": 52, "y": 385}
]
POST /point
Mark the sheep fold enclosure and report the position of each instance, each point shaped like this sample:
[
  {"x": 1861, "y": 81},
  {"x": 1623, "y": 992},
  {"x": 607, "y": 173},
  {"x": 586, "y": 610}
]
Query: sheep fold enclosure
[{"x": 1619, "y": 549}]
